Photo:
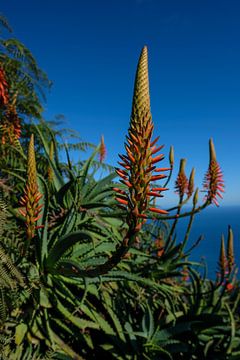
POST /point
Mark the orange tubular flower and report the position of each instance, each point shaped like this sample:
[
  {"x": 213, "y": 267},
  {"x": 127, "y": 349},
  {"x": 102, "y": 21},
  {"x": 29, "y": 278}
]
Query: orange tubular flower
[
  {"x": 31, "y": 197},
  {"x": 3, "y": 88},
  {"x": 213, "y": 181},
  {"x": 140, "y": 161}
]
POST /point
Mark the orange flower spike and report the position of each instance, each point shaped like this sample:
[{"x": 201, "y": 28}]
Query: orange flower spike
[
  {"x": 4, "y": 98},
  {"x": 213, "y": 181},
  {"x": 102, "y": 150},
  {"x": 181, "y": 184},
  {"x": 230, "y": 251},
  {"x": 191, "y": 183},
  {"x": 51, "y": 154},
  {"x": 222, "y": 263},
  {"x": 31, "y": 197},
  {"x": 138, "y": 163},
  {"x": 11, "y": 123}
]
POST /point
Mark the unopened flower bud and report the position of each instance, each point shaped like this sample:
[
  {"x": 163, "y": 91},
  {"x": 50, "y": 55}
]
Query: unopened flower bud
[
  {"x": 230, "y": 251},
  {"x": 171, "y": 156},
  {"x": 212, "y": 152},
  {"x": 195, "y": 197},
  {"x": 191, "y": 183}
]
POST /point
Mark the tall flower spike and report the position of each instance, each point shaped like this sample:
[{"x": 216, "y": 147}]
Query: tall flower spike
[
  {"x": 191, "y": 183},
  {"x": 230, "y": 251},
  {"x": 3, "y": 88},
  {"x": 31, "y": 197},
  {"x": 102, "y": 150},
  {"x": 213, "y": 181},
  {"x": 140, "y": 161},
  {"x": 51, "y": 154},
  {"x": 11, "y": 123},
  {"x": 181, "y": 184},
  {"x": 222, "y": 263},
  {"x": 171, "y": 156}
]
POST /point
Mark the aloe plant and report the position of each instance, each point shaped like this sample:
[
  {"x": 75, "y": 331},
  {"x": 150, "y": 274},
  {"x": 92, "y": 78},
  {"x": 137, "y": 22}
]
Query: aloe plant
[{"x": 94, "y": 268}]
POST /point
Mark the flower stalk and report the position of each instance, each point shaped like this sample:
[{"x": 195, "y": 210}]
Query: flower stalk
[{"x": 31, "y": 197}]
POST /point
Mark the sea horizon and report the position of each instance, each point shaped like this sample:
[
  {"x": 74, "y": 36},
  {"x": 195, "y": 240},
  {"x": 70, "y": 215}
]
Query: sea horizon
[{"x": 212, "y": 223}]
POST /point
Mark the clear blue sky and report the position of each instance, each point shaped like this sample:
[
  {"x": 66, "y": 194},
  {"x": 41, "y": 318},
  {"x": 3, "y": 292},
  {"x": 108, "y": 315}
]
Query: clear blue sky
[{"x": 90, "y": 51}]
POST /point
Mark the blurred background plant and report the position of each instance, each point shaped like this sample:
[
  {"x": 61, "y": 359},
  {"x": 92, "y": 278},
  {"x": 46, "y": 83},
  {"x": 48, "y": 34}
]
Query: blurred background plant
[{"x": 91, "y": 267}]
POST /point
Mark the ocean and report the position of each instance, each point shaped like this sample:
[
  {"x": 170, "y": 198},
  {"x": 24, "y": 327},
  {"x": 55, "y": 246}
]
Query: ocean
[{"x": 212, "y": 222}]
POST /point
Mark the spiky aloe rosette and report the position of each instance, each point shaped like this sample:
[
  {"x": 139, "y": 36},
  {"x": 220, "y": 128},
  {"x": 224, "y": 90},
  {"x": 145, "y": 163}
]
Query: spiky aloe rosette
[
  {"x": 31, "y": 197},
  {"x": 138, "y": 167}
]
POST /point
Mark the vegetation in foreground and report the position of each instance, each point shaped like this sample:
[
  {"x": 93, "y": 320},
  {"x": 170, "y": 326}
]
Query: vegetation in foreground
[{"x": 90, "y": 267}]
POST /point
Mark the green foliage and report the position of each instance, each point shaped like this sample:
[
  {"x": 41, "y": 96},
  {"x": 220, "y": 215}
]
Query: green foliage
[{"x": 90, "y": 285}]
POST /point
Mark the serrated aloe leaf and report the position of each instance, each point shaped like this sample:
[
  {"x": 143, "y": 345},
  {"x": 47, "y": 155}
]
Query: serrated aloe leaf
[
  {"x": 64, "y": 244},
  {"x": 20, "y": 333}
]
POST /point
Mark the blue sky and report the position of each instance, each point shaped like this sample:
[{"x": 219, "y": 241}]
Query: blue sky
[{"x": 90, "y": 51}]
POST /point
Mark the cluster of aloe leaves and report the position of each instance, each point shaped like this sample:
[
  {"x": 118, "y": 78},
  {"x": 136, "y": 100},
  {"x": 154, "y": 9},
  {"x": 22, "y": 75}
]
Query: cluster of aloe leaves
[{"x": 80, "y": 291}]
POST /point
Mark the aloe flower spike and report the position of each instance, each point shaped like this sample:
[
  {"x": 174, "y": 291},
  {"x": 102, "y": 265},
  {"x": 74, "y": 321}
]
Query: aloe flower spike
[
  {"x": 213, "y": 181},
  {"x": 191, "y": 183},
  {"x": 181, "y": 184},
  {"x": 31, "y": 197},
  {"x": 102, "y": 150},
  {"x": 138, "y": 163},
  {"x": 222, "y": 259},
  {"x": 230, "y": 251},
  {"x": 171, "y": 156}
]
